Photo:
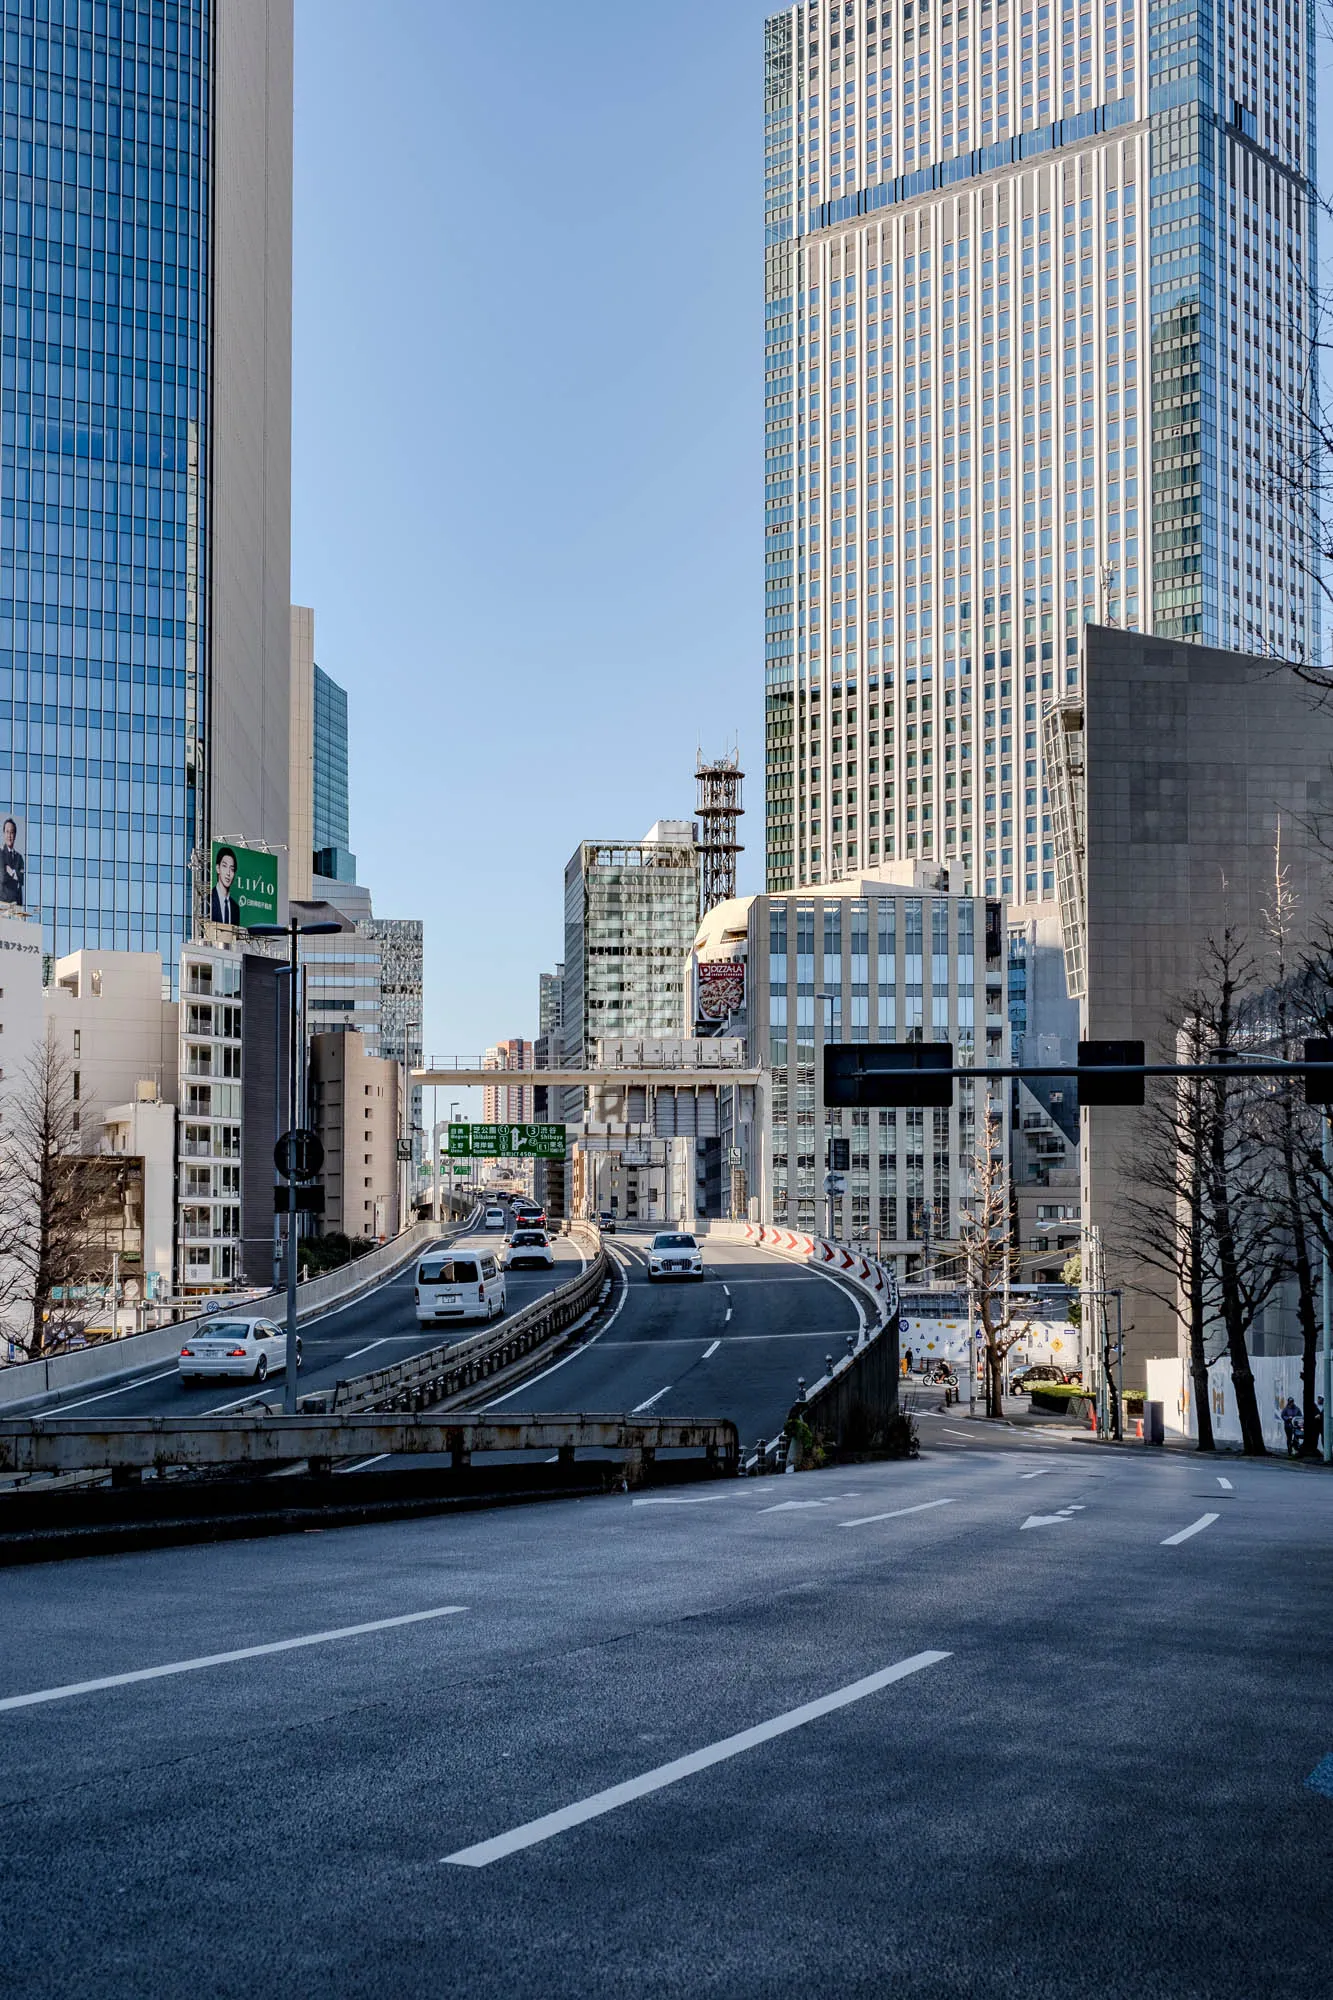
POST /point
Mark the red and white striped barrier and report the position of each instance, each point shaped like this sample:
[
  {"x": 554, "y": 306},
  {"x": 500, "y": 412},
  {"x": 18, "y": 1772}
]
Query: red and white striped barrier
[{"x": 838, "y": 1259}]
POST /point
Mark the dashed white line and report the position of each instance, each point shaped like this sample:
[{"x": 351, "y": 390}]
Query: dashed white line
[
  {"x": 550, "y": 1824},
  {"x": 1040, "y": 1473},
  {"x": 1225, "y": 1482},
  {"x": 72, "y": 1688},
  {"x": 357, "y": 1352},
  {"x": 726, "y": 1291},
  {"x": 1194, "y": 1528},
  {"x": 728, "y": 1316},
  {"x": 711, "y": 1350},
  {"x": 895, "y": 1513},
  {"x": 648, "y": 1404}
]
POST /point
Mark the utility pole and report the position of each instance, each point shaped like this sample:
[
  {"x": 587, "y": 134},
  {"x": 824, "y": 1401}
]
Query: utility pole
[{"x": 293, "y": 930}]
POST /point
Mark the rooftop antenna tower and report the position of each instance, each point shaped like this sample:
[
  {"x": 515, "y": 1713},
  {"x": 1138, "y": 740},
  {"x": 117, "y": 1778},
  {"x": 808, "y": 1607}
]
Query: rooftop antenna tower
[{"x": 719, "y": 808}]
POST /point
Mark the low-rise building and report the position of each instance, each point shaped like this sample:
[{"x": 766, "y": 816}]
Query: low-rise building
[
  {"x": 355, "y": 1113},
  {"x": 115, "y": 1024}
]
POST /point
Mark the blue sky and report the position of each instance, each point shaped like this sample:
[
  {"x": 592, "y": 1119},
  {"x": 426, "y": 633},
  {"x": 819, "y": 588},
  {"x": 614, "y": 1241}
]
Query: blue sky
[{"x": 527, "y": 446}]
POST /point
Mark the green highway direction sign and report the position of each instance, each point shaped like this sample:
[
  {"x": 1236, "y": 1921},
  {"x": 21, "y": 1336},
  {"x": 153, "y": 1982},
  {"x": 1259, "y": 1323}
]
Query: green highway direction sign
[{"x": 507, "y": 1142}]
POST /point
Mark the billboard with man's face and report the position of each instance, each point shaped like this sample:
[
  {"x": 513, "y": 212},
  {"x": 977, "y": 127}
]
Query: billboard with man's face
[
  {"x": 243, "y": 885},
  {"x": 11, "y": 864}
]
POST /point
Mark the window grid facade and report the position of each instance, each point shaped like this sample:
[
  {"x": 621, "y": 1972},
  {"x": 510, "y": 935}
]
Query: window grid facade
[
  {"x": 104, "y": 421},
  {"x": 1037, "y": 337}
]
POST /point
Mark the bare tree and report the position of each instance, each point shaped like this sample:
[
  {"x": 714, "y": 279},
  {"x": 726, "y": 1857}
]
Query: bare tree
[
  {"x": 45, "y": 1193},
  {"x": 987, "y": 1255},
  {"x": 1161, "y": 1218},
  {"x": 1238, "y": 1217}
]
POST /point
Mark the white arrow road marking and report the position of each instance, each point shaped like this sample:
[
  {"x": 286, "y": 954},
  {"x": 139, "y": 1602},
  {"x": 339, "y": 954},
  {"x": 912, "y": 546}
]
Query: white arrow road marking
[
  {"x": 789, "y": 1506},
  {"x": 1049, "y": 1520},
  {"x": 1194, "y": 1528},
  {"x": 895, "y": 1514},
  {"x": 550, "y": 1824},
  {"x": 648, "y": 1404}
]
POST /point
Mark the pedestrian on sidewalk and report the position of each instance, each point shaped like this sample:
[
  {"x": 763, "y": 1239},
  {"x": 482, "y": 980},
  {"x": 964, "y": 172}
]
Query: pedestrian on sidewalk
[{"x": 1291, "y": 1424}]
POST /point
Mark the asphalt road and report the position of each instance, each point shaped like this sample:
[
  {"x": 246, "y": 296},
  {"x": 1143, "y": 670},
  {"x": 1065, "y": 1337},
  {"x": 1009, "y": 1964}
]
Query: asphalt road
[
  {"x": 732, "y": 1344},
  {"x": 374, "y": 1330},
  {"x": 1088, "y": 1777}
]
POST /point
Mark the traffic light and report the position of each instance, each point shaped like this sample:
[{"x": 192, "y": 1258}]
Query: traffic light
[
  {"x": 914, "y": 1074},
  {"x": 840, "y": 1156},
  {"x": 1319, "y": 1089},
  {"x": 1094, "y": 1089}
]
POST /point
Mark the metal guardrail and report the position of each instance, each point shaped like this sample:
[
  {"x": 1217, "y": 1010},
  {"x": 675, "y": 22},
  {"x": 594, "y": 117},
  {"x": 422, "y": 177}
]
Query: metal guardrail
[
  {"x": 424, "y": 1381},
  {"x": 261, "y": 1440}
]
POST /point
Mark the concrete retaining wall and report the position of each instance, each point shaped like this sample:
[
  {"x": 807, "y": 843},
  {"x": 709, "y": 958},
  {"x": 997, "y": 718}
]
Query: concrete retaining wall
[{"x": 111, "y": 1361}]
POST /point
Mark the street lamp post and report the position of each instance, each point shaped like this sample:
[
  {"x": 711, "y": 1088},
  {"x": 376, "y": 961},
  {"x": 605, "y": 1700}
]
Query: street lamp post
[{"x": 294, "y": 930}]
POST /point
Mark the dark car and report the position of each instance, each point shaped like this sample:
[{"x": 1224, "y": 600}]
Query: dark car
[
  {"x": 606, "y": 1222},
  {"x": 1041, "y": 1375}
]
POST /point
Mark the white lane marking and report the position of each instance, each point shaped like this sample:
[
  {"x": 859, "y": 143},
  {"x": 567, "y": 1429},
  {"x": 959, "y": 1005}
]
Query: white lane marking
[
  {"x": 550, "y": 1824},
  {"x": 957, "y": 1434},
  {"x": 648, "y": 1404},
  {"x": 713, "y": 1349},
  {"x": 790, "y": 1506},
  {"x": 1049, "y": 1520},
  {"x": 72, "y": 1688},
  {"x": 726, "y": 1291},
  {"x": 895, "y": 1514},
  {"x": 684, "y": 1500},
  {"x": 357, "y": 1352},
  {"x": 1225, "y": 1482},
  {"x": 573, "y": 1354},
  {"x": 1039, "y": 1474},
  {"x": 1194, "y": 1528},
  {"x": 59, "y": 1409},
  {"x": 728, "y": 1316},
  {"x": 362, "y": 1463}
]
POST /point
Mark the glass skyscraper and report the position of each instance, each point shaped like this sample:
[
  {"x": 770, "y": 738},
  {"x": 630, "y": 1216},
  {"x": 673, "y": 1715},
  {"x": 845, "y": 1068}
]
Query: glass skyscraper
[
  {"x": 331, "y": 824},
  {"x": 1038, "y": 342},
  {"x": 144, "y": 452}
]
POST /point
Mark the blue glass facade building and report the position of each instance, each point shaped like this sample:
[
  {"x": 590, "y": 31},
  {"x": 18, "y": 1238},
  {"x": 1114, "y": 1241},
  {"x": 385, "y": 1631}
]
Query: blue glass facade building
[
  {"x": 108, "y": 469},
  {"x": 330, "y": 817}
]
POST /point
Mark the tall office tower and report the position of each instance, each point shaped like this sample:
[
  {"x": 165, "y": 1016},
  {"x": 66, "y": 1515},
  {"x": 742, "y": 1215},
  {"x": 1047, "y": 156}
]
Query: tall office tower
[
  {"x": 145, "y": 399},
  {"x": 1038, "y": 284},
  {"x": 402, "y": 947}
]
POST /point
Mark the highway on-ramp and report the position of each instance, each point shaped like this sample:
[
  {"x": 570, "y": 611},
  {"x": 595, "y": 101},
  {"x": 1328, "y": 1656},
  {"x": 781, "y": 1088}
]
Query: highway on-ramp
[
  {"x": 733, "y": 1344},
  {"x": 373, "y": 1330}
]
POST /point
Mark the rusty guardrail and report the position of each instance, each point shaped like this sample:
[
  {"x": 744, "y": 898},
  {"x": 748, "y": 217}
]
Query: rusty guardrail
[{"x": 260, "y": 1440}]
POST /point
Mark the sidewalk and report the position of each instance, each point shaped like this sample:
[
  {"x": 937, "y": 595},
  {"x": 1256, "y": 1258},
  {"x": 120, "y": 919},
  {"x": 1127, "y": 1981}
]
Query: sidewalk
[{"x": 923, "y": 1401}]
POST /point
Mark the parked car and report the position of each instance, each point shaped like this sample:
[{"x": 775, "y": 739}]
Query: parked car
[
  {"x": 1041, "y": 1375},
  {"x": 606, "y": 1222},
  {"x": 249, "y": 1348},
  {"x": 674, "y": 1254},
  {"x": 528, "y": 1246}
]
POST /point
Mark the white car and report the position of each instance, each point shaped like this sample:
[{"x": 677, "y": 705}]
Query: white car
[
  {"x": 249, "y": 1348},
  {"x": 494, "y": 1218},
  {"x": 674, "y": 1254},
  {"x": 528, "y": 1246}
]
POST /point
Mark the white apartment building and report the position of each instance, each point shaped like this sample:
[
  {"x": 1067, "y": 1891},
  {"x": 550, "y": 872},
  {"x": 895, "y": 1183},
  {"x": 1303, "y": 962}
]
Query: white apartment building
[
  {"x": 508, "y": 1103},
  {"x": 1038, "y": 330},
  {"x": 115, "y": 1023}
]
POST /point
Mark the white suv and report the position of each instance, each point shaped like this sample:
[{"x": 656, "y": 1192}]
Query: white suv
[{"x": 673, "y": 1254}]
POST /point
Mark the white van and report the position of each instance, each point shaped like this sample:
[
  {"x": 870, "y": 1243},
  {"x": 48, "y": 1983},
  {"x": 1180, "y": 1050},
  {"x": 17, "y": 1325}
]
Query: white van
[{"x": 458, "y": 1284}]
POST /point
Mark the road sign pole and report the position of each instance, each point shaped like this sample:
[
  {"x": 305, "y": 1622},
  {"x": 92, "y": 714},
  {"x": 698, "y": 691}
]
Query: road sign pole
[{"x": 289, "y": 1384}]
